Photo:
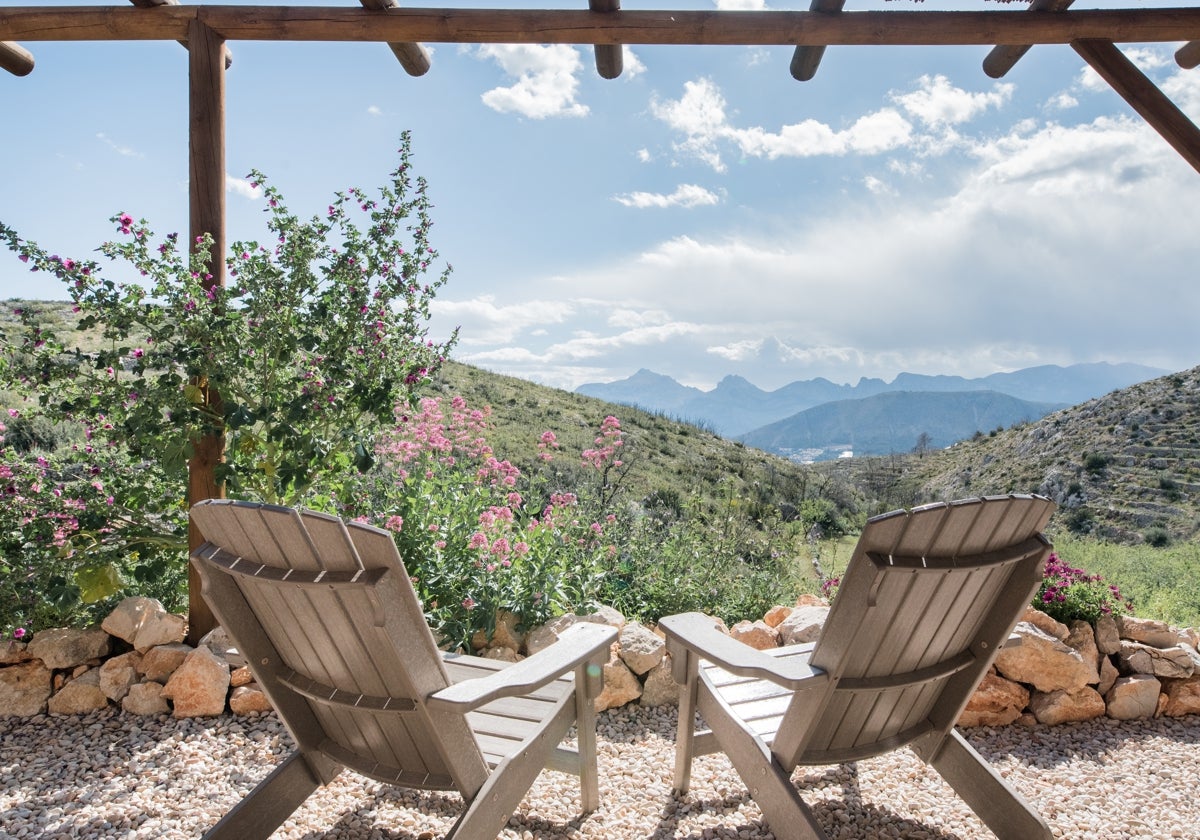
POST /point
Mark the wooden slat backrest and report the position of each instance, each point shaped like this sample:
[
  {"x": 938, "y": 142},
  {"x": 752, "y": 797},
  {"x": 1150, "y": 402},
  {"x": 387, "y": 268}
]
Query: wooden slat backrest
[
  {"x": 924, "y": 605},
  {"x": 367, "y": 638}
]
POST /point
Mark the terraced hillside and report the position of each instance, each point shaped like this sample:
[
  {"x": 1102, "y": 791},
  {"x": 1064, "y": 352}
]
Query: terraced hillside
[{"x": 1123, "y": 467}]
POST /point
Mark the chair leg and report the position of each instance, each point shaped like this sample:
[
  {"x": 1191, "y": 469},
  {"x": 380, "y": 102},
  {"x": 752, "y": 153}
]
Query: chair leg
[
  {"x": 685, "y": 737},
  {"x": 585, "y": 727},
  {"x": 270, "y": 803},
  {"x": 787, "y": 815},
  {"x": 1000, "y": 807}
]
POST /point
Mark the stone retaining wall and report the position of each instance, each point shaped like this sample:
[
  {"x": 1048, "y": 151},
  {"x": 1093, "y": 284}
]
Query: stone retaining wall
[{"x": 1125, "y": 668}]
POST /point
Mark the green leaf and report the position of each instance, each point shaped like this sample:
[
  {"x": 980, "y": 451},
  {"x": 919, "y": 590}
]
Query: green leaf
[{"x": 98, "y": 582}]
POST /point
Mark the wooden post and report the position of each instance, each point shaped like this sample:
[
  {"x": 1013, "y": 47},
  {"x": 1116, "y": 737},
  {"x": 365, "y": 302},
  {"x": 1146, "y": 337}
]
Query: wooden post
[
  {"x": 206, "y": 169},
  {"x": 15, "y": 59}
]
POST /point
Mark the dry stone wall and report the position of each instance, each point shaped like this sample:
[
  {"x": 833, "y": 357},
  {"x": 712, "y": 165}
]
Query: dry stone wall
[{"x": 1126, "y": 668}]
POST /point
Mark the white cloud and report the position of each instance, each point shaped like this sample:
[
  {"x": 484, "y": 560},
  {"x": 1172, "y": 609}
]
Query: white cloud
[
  {"x": 546, "y": 80},
  {"x": 242, "y": 187},
  {"x": 1062, "y": 101},
  {"x": 125, "y": 151},
  {"x": 936, "y": 102},
  {"x": 741, "y": 5},
  {"x": 631, "y": 65},
  {"x": 374, "y": 110},
  {"x": 685, "y": 195},
  {"x": 485, "y": 322},
  {"x": 643, "y": 155}
]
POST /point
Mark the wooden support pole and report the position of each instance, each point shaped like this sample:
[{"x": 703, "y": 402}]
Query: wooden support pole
[
  {"x": 414, "y": 58},
  {"x": 1003, "y": 57},
  {"x": 609, "y": 57},
  {"x": 1188, "y": 56},
  {"x": 570, "y": 26},
  {"x": 1145, "y": 97},
  {"x": 15, "y": 59},
  {"x": 805, "y": 60},
  {"x": 206, "y": 170},
  {"x": 154, "y": 4}
]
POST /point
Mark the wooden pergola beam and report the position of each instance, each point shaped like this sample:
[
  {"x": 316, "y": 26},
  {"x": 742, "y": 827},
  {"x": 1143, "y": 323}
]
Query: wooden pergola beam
[
  {"x": 569, "y": 26},
  {"x": 1144, "y": 96},
  {"x": 154, "y": 4},
  {"x": 413, "y": 57},
  {"x": 1188, "y": 56},
  {"x": 1004, "y": 57},
  {"x": 609, "y": 57},
  {"x": 15, "y": 59},
  {"x": 805, "y": 60}
]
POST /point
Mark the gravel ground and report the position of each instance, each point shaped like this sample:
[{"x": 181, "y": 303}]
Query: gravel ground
[{"x": 110, "y": 774}]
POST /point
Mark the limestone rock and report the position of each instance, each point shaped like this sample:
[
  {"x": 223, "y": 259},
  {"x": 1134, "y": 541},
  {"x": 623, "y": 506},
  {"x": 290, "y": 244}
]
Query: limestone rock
[
  {"x": 160, "y": 662},
  {"x": 1148, "y": 631},
  {"x": 24, "y": 689},
  {"x": 247, "y": 699},
  {"x": 1108, "y": 635},
  {"x": 803, "y": 625},
  {"x": 660, "y": 688},
  {"x": 218, "y": 641},
  {"x": 1133, "y": 698},
  {"x": 1044, "y": 662},
  {"x": 808, "y": 600},
  {"x": 1066, "y": 706},
  {"x": 776, "y": 615},
  {"x": 540, "y": 638},
  {"x": 501, "y": 654},
  {"x": 118, "y": 674},
  {"x": 145, "y": 698},
  {"x": 605, "y": 615},
  {"x": 639, "y": 647},
  {"x": 79, "y": 696},
  {"x": 621, "y": 686},
  {"x": 240, "y": 676},
  {"x": 757, "y": 634},
  {"x": 506, "y": 634},
  {"x": 1176, "y": 662},
  {"x": 1183, "y": 696},
  {"x": 66, "y": 648},
  {"x": 1083, "y": 638},
  {"x": 198, "y": 686},
  {"x": 1108, "y": 674},
  {"x": 1046, "y": 623},
  {"x": 996, "y": 702},
  {"x": 13, "y": 653}
]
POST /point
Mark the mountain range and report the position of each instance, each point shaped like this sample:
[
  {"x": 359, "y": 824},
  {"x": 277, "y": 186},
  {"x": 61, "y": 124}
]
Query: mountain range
[{"x": 873, "y": 416}]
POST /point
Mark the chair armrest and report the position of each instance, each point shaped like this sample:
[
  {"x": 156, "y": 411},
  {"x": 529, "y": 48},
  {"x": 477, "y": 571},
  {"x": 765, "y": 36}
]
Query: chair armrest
[
  {"x": 699, "y": 634},
  {"x": 577, "y": 644}
]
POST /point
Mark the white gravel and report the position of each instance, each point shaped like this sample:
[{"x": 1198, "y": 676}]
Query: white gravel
[{"x": 111, "y": 774}]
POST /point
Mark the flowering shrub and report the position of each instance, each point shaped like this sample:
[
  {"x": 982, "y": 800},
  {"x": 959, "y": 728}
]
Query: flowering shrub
[
  {"x": 74, "y": 531},
  {"x": 477, "y": 536},
  {"x": 294, "y": 364},
  {"x": 1067, "y": 594}
]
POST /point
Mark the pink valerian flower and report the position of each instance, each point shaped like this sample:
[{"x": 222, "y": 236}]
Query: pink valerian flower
[
  {"x": 468, "y": 603},
  {"x": 478, "y": 540},
  {"x": 394, "y": 523}
]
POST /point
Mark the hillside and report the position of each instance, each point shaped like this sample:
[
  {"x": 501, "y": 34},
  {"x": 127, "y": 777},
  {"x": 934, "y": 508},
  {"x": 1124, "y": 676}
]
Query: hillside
[
  {"x": 892, "y": 422},
  {"x": 1123, "y": 467}
]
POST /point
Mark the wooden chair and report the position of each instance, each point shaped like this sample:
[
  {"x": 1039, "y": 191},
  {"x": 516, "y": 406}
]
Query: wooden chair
[
  {"x": 328, "y": 621},
  {"x": 928, "y": 598}
]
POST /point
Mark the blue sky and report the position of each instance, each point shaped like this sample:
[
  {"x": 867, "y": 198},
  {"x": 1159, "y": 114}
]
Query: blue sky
[{"x": 702, "y": 215}]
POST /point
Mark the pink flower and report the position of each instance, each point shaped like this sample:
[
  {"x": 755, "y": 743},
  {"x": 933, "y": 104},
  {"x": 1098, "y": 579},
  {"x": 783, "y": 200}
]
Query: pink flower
[
  {"x": 394, "y": 523},
  {"x": 468, "y": 603},
  {"x": 19, "y": 633}
]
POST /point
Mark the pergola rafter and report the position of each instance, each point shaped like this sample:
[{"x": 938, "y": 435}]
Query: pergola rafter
[{"x": 204, "y": 30}]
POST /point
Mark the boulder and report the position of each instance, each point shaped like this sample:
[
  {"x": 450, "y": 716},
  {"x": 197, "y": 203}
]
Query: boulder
[
  {"x": 506, "y": 633},
  {"x": 24, "y": 689},
  {"x": 1066, "y": 706},
  {"x": 1175, "y": 662},
  {"x": 621, "y": 686},
  {"x": 996, "y": 702},
  {"x": 1108, "y": 635},
  {"x": 1108, "y": 674},
  {"x": 605, "y": 615},
  {"x": 1044, "y": 662},
  {"x": 660, "y": 688},
  {"x": 198, "y": 686},
  {"x": 640, "y": 648},
  {"x": 248, "y": 699},
  {"x": 1183, "y": 696},
  {"x": 1047, "y": 624},
  {"x": 1148, "y": 631},
  {"x": 66, "y": 648},
  {"x": 158, "y": 663},
  {"x": 80, "y": 696},
  {"x": 501, "y": 654},
  {"x": 757, "y": 634},
  {"x": 1082, "y": 637},
  {"x": 1133, "y": 698},
  {"x": 145, "y": 698},
  {"x": 240, "y": 676},
  {"x": 776, "y": 615},
  {"x": 13, "y": 652},
  {"x": 219, "y": 642},
  {"x": 118, "y": 674},
  {"x": 540, "y": 638},
  {"x": 803, "y": 625}
]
